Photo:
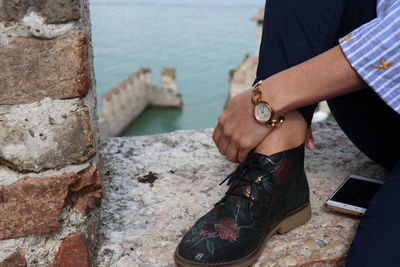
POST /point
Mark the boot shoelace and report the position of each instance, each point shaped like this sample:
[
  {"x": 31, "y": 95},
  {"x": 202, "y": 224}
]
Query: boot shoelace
[{"x": 237, "y": 177}]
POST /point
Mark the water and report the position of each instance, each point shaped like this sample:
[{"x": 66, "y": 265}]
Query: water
[{"x": 202, "y": 39}]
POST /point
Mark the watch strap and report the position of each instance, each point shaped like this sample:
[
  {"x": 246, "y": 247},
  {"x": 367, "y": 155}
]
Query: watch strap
[{"x": 256, "y": 98}]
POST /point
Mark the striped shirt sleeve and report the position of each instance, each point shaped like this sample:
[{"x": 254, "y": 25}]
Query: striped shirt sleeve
[{"x": 374, "y": 52}]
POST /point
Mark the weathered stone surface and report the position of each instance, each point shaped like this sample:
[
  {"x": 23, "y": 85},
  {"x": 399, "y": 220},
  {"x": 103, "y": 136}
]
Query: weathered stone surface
[
  {"x": 8, "y": 176},
  {"x": 32, "y": 206},
  {"x": 142, "y": 223},
  {"x": 17, "y": 259},
  {"x": 55, "y": 11},
  {"x": 58, "y": 11},
  {"x": 36, "y": 26},
  {"x": 86, "y": 193},
  {"x": 72, "y": 253},
  {"x": 13, "y": 10},
  {"x": 56, "y": 133},
  {"x": 33, "y": 25},
  {"x": 33, "y": 69}
]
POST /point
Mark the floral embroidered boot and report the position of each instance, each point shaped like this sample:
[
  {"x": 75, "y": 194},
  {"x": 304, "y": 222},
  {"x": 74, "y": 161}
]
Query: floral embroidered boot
[{"x": 267, "y": 194}]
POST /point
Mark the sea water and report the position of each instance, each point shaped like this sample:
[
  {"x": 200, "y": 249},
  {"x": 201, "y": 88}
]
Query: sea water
[{"x": 201, "y": 39}]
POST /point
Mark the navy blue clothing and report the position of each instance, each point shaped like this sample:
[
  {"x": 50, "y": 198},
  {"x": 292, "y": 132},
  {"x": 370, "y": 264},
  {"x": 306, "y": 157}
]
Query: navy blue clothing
[
  {"x": 295, "y": 31},
  {"x": 377, "y": 239}
]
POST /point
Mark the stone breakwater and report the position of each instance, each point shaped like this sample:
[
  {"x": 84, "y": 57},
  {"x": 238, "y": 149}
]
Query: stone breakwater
[
  {"x": 124, "y": 103},
  {"x": 157, "y": 186},
  {"x": 50, "y": 186}
]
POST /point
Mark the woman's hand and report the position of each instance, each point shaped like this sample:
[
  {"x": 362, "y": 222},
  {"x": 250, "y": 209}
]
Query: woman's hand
[{"x": 237, "y": 132}]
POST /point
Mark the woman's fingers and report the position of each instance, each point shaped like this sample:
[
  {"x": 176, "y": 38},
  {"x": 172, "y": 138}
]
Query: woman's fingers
[
  {"x": 222, "y": 145},
  {"x": 237, "y": 132},
  {"x": 216, "y": 134},
  {"x": 242, "y": 154},
  {"x": 231, "y": 152},
  {"x": 227, "y": 147},
  {"x": 309, "y": 142}
]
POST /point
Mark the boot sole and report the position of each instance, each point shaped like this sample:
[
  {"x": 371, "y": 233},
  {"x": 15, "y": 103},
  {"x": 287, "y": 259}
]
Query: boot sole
[{"x": 293, "y": 220}]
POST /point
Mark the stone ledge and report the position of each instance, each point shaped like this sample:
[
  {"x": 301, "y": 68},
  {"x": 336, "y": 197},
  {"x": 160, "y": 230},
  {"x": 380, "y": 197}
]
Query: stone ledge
[{"x": 141, "y": 223}]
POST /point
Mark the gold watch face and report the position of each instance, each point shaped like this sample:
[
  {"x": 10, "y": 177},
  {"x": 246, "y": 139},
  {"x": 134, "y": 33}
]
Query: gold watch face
[{"x": 262, "y": 112}]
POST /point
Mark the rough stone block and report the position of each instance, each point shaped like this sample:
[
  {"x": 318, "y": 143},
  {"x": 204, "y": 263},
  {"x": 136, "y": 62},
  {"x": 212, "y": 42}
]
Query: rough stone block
[
  {"x": 32, "y": 206},
  {"x": 33, "y": 69},
  {"x": 56, "y": 133},
  {"x": 73, "y": 252},
  {"x": 142, "y": 223},
  {"x": 58, "y": 11},
  {"x": 55, "y": 11},
  {"x": 17, "y": 259},
  {"x": 13, "y": 10}
]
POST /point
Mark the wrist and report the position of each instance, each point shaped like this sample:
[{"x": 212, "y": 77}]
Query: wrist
[
  {"x": 271, "y": 94},
  {"x": 263, "y": 111}
]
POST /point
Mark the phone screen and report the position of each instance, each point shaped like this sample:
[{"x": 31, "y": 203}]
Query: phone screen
[{"x": 356, "y": 192}]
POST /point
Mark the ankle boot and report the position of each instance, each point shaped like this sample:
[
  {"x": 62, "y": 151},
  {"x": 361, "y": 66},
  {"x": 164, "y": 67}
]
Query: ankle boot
[{"x": 266, "y": 195}]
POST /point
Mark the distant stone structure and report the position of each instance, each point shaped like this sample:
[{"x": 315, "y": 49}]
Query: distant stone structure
[
  {"x": 244, "y": 75},
  {"x": 124, "y": 103},
  {"x": 50, "y": 185},
  {"x": 259, "y": 18}
]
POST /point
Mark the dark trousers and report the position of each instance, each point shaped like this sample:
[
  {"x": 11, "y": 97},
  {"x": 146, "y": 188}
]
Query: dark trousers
[{"x": 295, "y": 31}]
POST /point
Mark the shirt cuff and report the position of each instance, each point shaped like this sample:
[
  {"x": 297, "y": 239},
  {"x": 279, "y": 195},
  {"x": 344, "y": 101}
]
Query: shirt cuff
[{"x": 373, "y": 51}]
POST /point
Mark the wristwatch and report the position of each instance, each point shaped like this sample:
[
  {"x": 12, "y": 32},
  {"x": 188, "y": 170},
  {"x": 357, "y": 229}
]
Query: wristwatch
[{"x": 263, "y": 112}]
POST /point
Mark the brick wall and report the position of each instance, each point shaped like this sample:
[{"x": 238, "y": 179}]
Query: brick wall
[{"x": 49, "y": 182}]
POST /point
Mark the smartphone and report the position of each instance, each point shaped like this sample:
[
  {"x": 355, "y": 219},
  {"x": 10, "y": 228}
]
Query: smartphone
[{"x": 353, "y": 195}]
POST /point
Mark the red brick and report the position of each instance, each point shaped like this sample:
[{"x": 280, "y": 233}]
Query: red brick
[
  {"x": 32, "y": 206},
  {"x": 73, "y": 252},
  {"x": 32, "y": 69},
  {"x": 86, "y": 193},
  {"x": 17, "y": 259}
]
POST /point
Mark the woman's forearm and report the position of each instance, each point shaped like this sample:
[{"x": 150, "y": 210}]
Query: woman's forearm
[{"x": 323, "y": 77}]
